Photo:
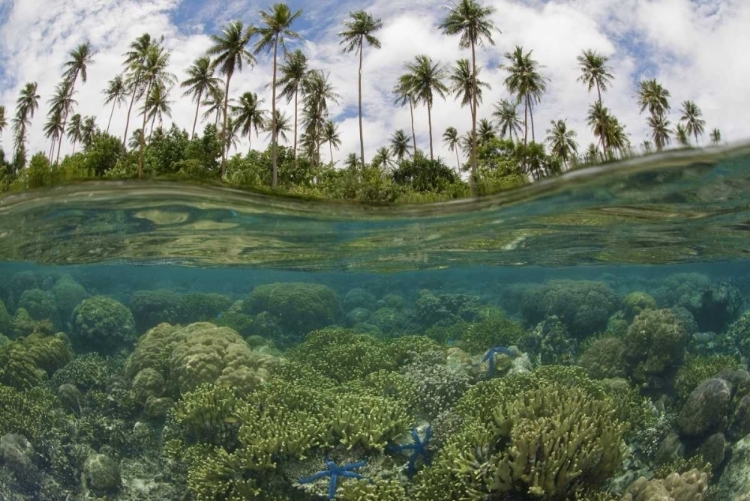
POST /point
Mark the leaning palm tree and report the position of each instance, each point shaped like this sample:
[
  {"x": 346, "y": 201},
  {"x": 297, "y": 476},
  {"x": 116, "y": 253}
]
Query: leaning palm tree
[
  {"x": 427, "y": 81},
  {"x": 404, "y": 94},
  {"x": 471, "y": 21},
  {"x": 248, "y": 116},
  {"x": 654, "y": 97},
  {"x": 526, "y": 83},
  {"x": 682, "y": 136},
  {"x": 400, "y": 144},
  {"x": 53, "y": 130},
  {"x": 282, "y": 125},
  {"x": 214, "y": 103},
  {"x": 562, "y": 141},
  {"x": 273, "y": 32},
  {"x": 358, "y": 30},
  {"x": 450, "y": 138},
  {"x": 506, "y": 114},
  {"x": 293, "y": 73},
  {"x": 26, "y": 106},
  {"x": 716, "y": 136},
  {"x": 231, "y": 53},
  {"x": 200, "y": 81},
  {"x": 60, "y": 103},
  {"x": 691, "y": 115},
  {"x": 74, "y": 129},
  {"x": 157, "y": 105},
  {"x": 115, "y": 94},
  {"x": 660, "y": 131},
  {"x": 383, "y": 158},
  {"x": 594, "y": 71},
  {"x": 463, "y": 84},
  {"x": 134, "y": 60},
  {"x": 80, "y": 58},
  {"x": 332, "y": 137}
]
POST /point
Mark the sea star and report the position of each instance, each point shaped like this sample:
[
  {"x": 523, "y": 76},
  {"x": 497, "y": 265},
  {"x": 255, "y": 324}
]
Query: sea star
[{"x": 334, "y": 471}]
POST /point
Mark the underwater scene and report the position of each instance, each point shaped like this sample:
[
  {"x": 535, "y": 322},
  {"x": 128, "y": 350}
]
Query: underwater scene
[{"x": 582, "y": 339}]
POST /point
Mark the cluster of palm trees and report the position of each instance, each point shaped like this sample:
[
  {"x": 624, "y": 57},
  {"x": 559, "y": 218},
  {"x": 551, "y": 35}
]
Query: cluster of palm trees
[{"x": 147, "y": 81}]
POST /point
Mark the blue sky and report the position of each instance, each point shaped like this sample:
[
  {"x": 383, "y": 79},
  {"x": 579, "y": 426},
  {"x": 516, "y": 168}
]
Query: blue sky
[{"x": 697, "y": 48}]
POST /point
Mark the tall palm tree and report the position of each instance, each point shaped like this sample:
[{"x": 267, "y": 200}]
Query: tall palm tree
[
  {"x": 332, "y": 137},
  {"x": 598, "y": 118},
  {"x": 617, "y": 137},
  {"x": 74, "y": 130},
  {"x": 716, "y": 136},
  {"x": 654, "y": 97},
  {"x": 152, "y": 74},
  {"x": 660, "y": 131},
  {"x": 404, "y": 94},
  {"x": 115, "y": 94},
  {"x": 485, "y": 132},
  {"x": 526, "y": 83},
  {"x": 26, "y": 106},
  {"x": 400, "y": 144},
  {"x": 279, "y": 126},
  {"x": 358, "y": 30},
  {"x": 293, "y": 73},
  {"x": 317, "y": 92},
  {"x": 88, "y": 130},
  {"x": 273, "y": 32},
  {"x": 231, "y": 53},
  {"x": 352, "y": 162},
  {"x": 450, "y": 138},
  {"x": 427, "y": 80},
  {"x": 471, "y": 21},
  {"x": 463, "y": 84},
  {"x": 157, "y": 105},
  {"x": 691, "y": 115},
  {"x": 682, "y": 136},
  {"x": 53, "y": 130},
  {"x": 248, "y": 116},
  {"x": 3, "y": 120},
  {"x": 134, "y": 60},
  {"x": 383, "y": 157},
  {"x": 60, "y": 103},
  {"x": 594, "y": 71},
  {"x": 80, "y": 58},
  {"x": 215, "y": 103},
  {"x": 562, "y": 142},
  {"x": 200, "y": 81},
  {"x": 506, "y": 114},
  {"x": 232, "y": 135}
]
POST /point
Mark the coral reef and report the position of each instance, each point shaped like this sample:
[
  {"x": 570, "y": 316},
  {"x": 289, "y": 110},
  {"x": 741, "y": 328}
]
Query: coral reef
[
  {"x": 101, "y": 324},
  {"x": 40, "y": 305},
  {"x": 655, "y": 346},
  {"x": 635, "y": 302},
  {"x": 690, "y": 486},
  {"x": 604, "y": 358},
  {"x": 202, "y": 307},
  {"x": 150, "y": 308},
  {"x": 68, "y": 294}
]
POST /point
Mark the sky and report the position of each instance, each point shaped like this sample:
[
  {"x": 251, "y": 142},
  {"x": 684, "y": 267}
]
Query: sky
[{"x": 696, "y": 48}]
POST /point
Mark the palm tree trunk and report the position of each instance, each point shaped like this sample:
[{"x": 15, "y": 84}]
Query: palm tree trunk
[
  {"x": 224, "y": 129},
  {"x": 142, "y": 141},
  {"x": 127, "y": 122},
  {"x": 526, "y": 122},
  {"x": 330, "y": 145},
  {"x": 361, "y": 134},
  {"x": 274, "y": 138},
  {"x": 413, "y": 133},
  {"x": 598, "y": 91},
  {"x": 458, "y": 162},
  {"x": 111, "y": 115},
  {"x": 473, "y": 120},
  {"x": 59, "y": 144},
  {"x": 296, "y": 91},
  {"x": 250, "y": 138},
  {"x": 74, "y": 147},
  {"x": 197, "y": 110},
  {"x": 531, "y": 116},
  {"x": 429, "y": 121},
  {"x": 151, "y": 132}
]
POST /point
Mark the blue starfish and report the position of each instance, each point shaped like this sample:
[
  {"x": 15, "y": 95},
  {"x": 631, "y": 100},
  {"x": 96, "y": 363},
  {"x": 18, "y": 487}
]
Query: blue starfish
[
  {"x": 490, "y": 356},
  {"x": 334, "y": 471},
  {"x": 418, "y": 448}
]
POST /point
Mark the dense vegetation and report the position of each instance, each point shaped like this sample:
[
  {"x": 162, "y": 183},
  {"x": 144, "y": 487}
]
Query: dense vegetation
[{"x": 499, "y": 151}]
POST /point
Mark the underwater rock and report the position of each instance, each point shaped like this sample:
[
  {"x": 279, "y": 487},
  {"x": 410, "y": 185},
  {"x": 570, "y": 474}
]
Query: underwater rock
[
  {"x": 706, "y": 408},
  {"x": 101, "y": 474},
  {"x": 690, "y": 486},
  {"x": 670, "y": 450},
  {"x": 739, "y": 425},
  {"x": 521, "y": 365},
  {"x": 16, "y": 454},
  {"x": 714, "y": 449},
  {"x": 734, "y": 483}
]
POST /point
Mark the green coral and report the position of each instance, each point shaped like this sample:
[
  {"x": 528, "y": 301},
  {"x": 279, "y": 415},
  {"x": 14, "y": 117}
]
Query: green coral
[
  {"x": 101, "y": 324},
  {"x": 31, "y": 413},
  {"x": 6, "y": 321},
  {"x": 299, "y": 307},
  {"x": 359, "y": 298},
  {"x": 635, "y": 302},
  {"x": 204, "y": 415},
  {"x": 365, "y": 490},
  {"x": 655, "y": 345},
  {"x": 23, "y": 324},
  {"x": 604, "y": 358},
  {"x": 737, "y": 336},
  {"x": 695, "y": 370},
  {"x": 29, "y": 361},
  {"x": 18, "y": 284},
  {"x": 89, "y": 371},
  {"x": 390, "y": 321},
  {"x": 152, "y": 307},
  {"x": 439, "y": 385},
  {"x": 445, "y": 309},
  {"x": 68, "y": 294},
  {"x": 40, "y": 305},
  {"x": 202, "y": 307},
  {"x": 493, "y": 328},
  {"x": 366, "y": 421},
  {"x": 403, "y": 349}
]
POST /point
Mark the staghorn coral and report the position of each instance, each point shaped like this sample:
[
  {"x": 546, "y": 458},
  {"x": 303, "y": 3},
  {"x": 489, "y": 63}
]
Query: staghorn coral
[
  {"x": 736, "y": 339},
  {"x": 152, "y": 307},
  {"x": 365, "y": 421},
  {"x": 365, "y": 490},
  {"x": 438, "y": 385},
  {"x": 550, "y": 343},
  {"x": 101, "y": 324}
]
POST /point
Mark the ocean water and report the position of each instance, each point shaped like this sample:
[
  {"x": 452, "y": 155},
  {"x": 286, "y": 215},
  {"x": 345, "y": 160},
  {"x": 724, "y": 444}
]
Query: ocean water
[{"x": 584, "y": 338}]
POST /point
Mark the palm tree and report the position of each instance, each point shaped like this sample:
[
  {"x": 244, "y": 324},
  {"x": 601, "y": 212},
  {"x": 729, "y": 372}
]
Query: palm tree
[
  {"x": 598, "y": 118},
  {"x": 60, "y": 103},
  {"x": 293, "y": 73},
  {"x": 281, "y": 124},
  {"x": 26, "y": 106},
  {"x": 691, "y": 115},
  {"x": 471, "y": 21},
  {"x": 562, "y": 141},
  {"x": 525, "y": 81},
  {"x": 617, "y": 138},
  {"x": 592, "y": 154},
  {"x": 400, "y": 144},
  {"x": 200, "y": 81},
  {"x": 232, "y": 135},
  {"x": 115, "y": 94},
  {"x": 215, "y": 103},
  {"x": 450, "y": 138},
  {"x": 53, "y": 130},
  {"x": 506, "y": 114},
  {"x": 229, "y": 49},
  {"x": 134, "y": 60},
  {"x": 248, "y": 116},
  {"x": 485, "y": 132},
  {"x": 80, "y": 58},
  {"x": 654, "y": 97},
  {"x": 383, "y": 157},
  {"x": 660, "y": 131},
  {"x": 273, "y": 32},
  {"x": 157, "y": 105},
  {"x": 317, "y": 92},
  {"x": 152, "y": 74},
  {"x": 358, "y": 30},
  {"x": 3, "y": 120},
  {"x": 716, "y": 136},
  {"x": 331, "y": 136},
  {"x": 74, "y": 130},
  {"x": 352, "y": 162},
  {"x": 462, "y": 84},
  {"x": 427, "y": 81},
  {"x": 404, "y": 94},
  {"x": 682, "y": 136},
  {"x": 594, "y": 71},
  {"x": 88, "y": 130}
]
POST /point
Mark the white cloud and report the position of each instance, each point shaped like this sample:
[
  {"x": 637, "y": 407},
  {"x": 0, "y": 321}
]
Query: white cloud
[{"x": 695, "y": 48}]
